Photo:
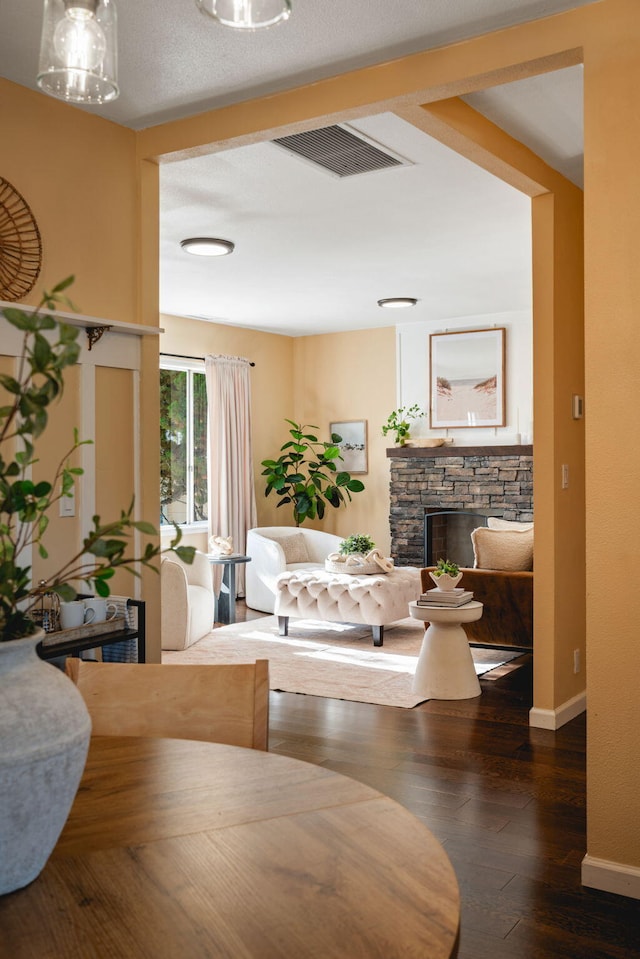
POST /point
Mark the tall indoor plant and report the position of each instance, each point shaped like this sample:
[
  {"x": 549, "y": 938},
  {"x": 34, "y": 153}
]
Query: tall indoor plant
[
  {"x": 44, "y": 724},
  {"x": 305, "y": 475}
]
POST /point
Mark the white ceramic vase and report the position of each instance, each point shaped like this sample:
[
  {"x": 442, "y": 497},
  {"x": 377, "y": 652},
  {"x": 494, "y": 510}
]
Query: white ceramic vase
[
  {"x": 44, "y": 738},
  {"x": 445, "y": 581}
]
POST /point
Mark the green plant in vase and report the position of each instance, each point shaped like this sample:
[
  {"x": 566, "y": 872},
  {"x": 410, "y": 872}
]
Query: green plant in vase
[
  {"x": 398, "y": 422},
  {"x": 445, "y": 567},
  {"x": 446, "y": 575}
]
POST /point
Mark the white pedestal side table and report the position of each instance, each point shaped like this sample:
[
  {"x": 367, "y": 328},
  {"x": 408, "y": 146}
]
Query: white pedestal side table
[{"x": 445, "y": 668}]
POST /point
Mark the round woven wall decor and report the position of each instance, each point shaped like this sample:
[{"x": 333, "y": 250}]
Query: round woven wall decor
[{"x": 20, "y": 244}]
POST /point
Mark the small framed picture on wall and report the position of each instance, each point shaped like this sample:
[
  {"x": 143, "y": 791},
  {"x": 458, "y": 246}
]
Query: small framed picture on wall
[
  {"x": 353, "y": 444},
  {"x": 467, "y": 379}
]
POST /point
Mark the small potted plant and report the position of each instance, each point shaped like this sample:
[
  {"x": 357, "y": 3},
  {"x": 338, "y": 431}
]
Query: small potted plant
[
  {"x": 398, "y": 422},
  {"x": 446, "y": 575},
  {"x": 358, "y": 554},
  {"x": 356, "y": 544}
]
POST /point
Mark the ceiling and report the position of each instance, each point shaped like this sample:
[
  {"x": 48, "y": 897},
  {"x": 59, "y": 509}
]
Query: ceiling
[{"x": 314, "y": 252}]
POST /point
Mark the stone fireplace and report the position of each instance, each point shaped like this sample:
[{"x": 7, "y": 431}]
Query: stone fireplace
[{"x": 490, "y": 480}]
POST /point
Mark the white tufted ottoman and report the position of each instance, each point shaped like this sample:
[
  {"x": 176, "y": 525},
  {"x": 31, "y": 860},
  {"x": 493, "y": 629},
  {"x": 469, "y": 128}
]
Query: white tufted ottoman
[{"x": 376, "y": 600}]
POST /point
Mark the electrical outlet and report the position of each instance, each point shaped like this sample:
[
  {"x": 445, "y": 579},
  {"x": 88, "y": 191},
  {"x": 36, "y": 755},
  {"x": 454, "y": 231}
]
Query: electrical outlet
[
  {"x": 576, "y": 660},
  {"x": 565, "y": 476}
]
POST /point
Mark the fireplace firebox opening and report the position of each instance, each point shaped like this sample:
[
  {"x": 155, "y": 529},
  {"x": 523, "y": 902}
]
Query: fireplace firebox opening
[{"x": 447, "y": 534}]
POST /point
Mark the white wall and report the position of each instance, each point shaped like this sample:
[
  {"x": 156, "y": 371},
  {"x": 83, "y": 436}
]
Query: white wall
[{"x": 413, "y": 376}]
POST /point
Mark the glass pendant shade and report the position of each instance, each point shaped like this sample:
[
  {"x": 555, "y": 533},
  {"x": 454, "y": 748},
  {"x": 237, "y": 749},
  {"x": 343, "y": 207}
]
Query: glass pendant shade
[
  {"x": 246, "y": 14},
  {"x": 78, "y": 51}
]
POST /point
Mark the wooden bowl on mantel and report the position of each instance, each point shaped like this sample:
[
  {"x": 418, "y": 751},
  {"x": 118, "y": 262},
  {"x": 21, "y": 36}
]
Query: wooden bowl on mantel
[{"x": 424, "y": 441}]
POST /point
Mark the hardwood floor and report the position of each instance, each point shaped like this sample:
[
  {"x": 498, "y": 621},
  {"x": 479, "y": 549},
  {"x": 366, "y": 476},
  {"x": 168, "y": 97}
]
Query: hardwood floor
[{"x": 506, "y": 801}]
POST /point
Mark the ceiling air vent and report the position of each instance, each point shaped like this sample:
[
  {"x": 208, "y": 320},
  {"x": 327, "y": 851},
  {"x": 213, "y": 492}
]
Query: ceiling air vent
[{"x": 339, "y": 151}]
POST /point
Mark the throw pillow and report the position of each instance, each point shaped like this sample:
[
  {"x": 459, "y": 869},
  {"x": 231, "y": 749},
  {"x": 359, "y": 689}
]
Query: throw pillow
[
  {"x": 494, "y": 522},
  {"x": 294, "y": 546},
  {"x": 502, "y": 549}
]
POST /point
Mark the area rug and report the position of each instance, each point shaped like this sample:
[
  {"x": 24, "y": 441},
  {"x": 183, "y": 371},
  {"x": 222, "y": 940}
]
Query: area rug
[{"x": 335, "y": 660}]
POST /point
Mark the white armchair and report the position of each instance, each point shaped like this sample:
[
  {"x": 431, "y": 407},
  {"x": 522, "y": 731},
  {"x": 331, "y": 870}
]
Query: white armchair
[
  {"x": 280, "y": 549},
  {"x": 187, "y": 600}
]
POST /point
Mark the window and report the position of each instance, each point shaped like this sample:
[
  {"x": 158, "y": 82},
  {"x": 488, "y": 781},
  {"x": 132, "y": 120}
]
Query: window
[{"x": 183, "y": 445}]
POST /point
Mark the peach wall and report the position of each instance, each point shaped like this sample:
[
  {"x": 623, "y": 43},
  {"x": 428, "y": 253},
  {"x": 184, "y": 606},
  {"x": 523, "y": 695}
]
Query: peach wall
[
  {"x": 612, "y": 290},
  {"x": 351, "y": 376},
  {"x": 78, "y": 174},
  {"x": 558, "y": 345}
]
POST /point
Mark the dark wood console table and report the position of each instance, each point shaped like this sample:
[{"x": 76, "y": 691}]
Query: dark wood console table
[{"x": 74, "y": 647}]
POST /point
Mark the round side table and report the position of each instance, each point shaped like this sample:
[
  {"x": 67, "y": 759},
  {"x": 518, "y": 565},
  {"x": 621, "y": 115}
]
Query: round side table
[{"x": 445, "y": 668}]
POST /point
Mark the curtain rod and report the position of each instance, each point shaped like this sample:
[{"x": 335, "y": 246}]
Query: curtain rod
[{"x": 181, "y": 356}]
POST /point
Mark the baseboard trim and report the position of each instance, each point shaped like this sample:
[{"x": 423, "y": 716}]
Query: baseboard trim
[
  {"x": 555, "y": 718},
  {"x": 615, "y": 877}
]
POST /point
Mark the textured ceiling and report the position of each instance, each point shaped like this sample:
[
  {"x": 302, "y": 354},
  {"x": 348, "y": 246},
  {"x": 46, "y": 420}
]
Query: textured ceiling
[{"x": 174, "y": 61}]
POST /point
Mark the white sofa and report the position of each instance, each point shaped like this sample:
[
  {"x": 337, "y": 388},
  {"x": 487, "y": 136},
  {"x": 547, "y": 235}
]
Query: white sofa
[
  {"x": 187, "y": 600},
  {"x": 280, "y": 549}
]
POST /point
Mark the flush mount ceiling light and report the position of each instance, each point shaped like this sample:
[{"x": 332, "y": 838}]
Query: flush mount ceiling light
[
  {"x": 246, "y": 14},
  {"x": 207, "y": 246},
  {"x": 78, "y": 51},
  {"x": 397, "y": 302}
]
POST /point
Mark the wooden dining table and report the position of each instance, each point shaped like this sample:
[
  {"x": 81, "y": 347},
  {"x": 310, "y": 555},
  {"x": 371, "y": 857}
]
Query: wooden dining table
[{"x": 177, "y": 849}]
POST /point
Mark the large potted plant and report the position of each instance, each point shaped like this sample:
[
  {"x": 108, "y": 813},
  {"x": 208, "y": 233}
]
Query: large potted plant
[
  {"x": 44, "y": 724},
  {"x": 305, "y": 476}
]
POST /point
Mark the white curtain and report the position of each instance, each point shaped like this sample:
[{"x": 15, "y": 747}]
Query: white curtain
[{"x": 232, "y": 500}]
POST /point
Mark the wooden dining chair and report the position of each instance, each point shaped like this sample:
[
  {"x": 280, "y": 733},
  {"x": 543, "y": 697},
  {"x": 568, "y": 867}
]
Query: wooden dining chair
[{"x": 222, "y": 703}]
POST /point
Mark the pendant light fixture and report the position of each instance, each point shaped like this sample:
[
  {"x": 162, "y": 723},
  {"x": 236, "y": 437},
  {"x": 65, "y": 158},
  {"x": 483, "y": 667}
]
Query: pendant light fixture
[
  {"x": 246, "y": 14},
  {"x": 78, "y": 51}
]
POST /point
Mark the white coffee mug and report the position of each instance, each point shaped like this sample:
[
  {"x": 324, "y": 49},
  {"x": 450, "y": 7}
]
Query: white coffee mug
[
  {"x": 74, "y": 614},
  {"x": 102, "y": 610}
]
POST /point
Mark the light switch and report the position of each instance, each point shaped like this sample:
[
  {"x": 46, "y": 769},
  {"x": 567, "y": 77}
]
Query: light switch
[
  {"x": 577, "y": 407},
  {"x": 68, "y": 505}
]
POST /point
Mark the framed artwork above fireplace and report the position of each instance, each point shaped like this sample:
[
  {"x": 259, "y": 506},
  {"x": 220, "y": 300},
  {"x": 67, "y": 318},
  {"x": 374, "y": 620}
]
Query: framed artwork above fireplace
[{"x": 467, "y": 383}]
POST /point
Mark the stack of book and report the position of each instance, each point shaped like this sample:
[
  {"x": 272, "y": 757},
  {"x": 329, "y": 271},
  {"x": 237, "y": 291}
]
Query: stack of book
[{"x": 446, "y": 597}]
